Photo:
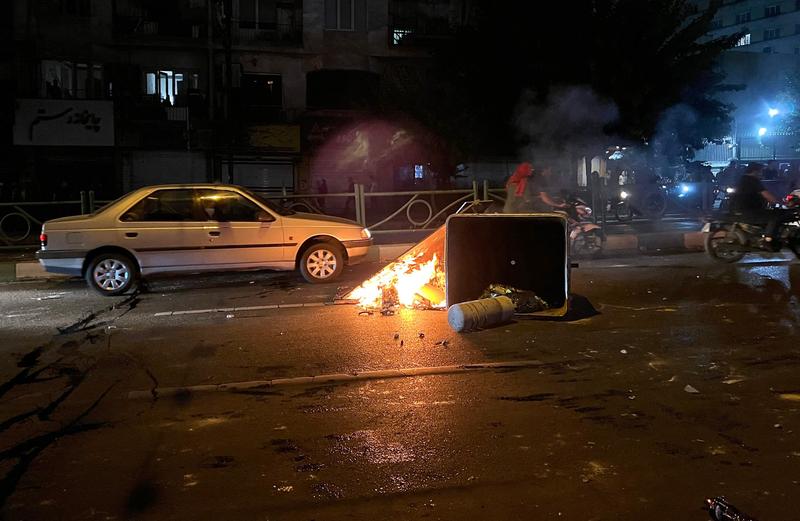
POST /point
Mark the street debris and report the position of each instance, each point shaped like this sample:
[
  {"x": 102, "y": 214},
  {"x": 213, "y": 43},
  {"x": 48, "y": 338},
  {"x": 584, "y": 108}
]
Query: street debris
[
  {"x": 524, "y": 301},
  {"x": 730, "y": 381},
  {"x": 421, "y": 334},
  {"x": 229, "y": 315},
  {"x": 365, "y": 312},
  {"x": 690, "y": 389},
  {"x": 50, "y": 297},
  {"x": 478, "y": 314},
  {"x": 720, "y": 510},
  {"x": 397, "y": 336},
  {"x": 792, "y": 397},
  {"x": 401, "y": 343},
  {"x": 442, "y": 343},
  {"x": 284, "y": 488},
  {"x": 623, "y": 351}
]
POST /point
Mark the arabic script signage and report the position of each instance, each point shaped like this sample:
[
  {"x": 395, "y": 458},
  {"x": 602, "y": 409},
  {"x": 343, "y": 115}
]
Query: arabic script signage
[{"x": 46, "y": 122}]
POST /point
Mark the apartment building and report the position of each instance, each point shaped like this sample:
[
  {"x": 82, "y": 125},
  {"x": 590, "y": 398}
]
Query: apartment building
[{"x": 271, "y": 94}]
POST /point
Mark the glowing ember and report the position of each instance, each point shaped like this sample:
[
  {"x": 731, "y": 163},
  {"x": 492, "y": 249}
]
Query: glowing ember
[{"x": 415, "y": 280}]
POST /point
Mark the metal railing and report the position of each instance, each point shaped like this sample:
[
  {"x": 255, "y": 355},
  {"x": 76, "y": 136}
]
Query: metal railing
[
  {"x": 385, "y": 212},
  {"x": 21, "y": 222}
]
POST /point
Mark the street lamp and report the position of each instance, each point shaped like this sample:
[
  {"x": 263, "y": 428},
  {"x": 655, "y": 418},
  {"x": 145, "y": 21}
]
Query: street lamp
[
  {"x": 762, "y": 131},
  {"x": 773, "y": 112}
]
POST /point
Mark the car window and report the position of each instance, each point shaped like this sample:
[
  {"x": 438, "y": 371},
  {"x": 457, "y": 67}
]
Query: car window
[
  {"x": 165, "y": 205},
  {"x": 226, "y": 206}
]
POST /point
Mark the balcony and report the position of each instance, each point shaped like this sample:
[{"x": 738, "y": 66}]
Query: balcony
[
  {"x": 290, "y": 35},
  {"x": 151, "y": 27}
]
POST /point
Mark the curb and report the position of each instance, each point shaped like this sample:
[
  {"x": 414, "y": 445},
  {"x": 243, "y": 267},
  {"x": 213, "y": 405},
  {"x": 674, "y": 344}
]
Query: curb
[{"x": 646, "y": 242}]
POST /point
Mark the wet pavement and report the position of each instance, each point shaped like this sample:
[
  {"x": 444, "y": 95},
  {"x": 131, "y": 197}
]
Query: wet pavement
[{"x": 674, "y": 379}]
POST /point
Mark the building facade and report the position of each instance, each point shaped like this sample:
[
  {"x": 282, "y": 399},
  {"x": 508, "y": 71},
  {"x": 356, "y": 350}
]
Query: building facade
[
  {"x": 767, "y": 51},
  {"x": 275, "y": 95}
]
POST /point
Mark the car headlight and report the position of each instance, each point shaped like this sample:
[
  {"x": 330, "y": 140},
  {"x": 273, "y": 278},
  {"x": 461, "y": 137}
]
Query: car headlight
[
  {"x": 730, "y": 190},
  {"x": 623, "y": 195},
  {"x": 366, "y": 234},
  {"x": 685, "y": 188}
]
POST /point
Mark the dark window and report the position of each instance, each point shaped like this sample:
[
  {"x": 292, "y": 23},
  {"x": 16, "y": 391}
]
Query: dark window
[
  {"x": 226, "y": 206},
  {"x": 165, "y": 205},
  {"x": 76, "y": 7},
  {"x": 743, "y": 18},
  {"x": 263, "y": 90},
  {"x": 796, "y": 28},
  {"x": 333, "y": 89},
  {"x": 339, "y": 15},
  {"x": 257, "y": 14},
  {"x": 769, "y": 34},
  {"x": 716, "y": 23},
  {"x": 772, "y": 10},
  {"x": 767, "y": 50}
]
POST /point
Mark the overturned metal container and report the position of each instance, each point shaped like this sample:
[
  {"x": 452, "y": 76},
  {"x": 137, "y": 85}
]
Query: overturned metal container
[{"x": 527, "y": 251}]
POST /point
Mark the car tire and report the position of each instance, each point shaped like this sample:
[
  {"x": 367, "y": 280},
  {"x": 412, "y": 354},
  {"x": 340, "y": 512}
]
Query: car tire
[
  {"x": 322, "y": 262},
  {"x": 112, "y": 274}
]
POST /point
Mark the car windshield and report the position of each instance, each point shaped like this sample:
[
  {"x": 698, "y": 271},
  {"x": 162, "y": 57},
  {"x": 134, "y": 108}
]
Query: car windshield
[{"x": 280, "y": 210}]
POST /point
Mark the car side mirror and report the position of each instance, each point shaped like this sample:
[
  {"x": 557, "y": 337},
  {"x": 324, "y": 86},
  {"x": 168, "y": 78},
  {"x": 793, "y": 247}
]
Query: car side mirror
[{"x": 264, "y": 217}]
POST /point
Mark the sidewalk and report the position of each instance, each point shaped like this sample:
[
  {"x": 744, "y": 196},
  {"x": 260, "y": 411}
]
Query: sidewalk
[{"x": 20, "y": 266}]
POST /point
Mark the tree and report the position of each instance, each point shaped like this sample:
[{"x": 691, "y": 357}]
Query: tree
[
  {"x": 642, "y": 56},
  {"x": 790, "y": 99}
]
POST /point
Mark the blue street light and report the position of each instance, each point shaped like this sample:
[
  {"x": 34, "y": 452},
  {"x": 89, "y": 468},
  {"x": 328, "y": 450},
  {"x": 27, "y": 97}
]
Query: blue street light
[
  {"x": 773, "y": 112},
  {"x": 762, "y": 131}
]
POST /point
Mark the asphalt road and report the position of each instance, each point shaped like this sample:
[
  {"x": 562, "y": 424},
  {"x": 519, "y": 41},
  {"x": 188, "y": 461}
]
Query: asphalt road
[{"x": 674, "y": 379}]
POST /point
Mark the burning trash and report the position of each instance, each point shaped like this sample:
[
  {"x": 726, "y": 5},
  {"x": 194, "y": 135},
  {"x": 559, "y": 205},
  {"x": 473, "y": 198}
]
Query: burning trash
[
  {"x": 524, "y": 301},
  {"x": 415, "y": 280}
]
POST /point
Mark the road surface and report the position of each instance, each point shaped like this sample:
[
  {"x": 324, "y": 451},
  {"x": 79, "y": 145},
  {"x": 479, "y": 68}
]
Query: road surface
[{"x": 673, "y": 380}]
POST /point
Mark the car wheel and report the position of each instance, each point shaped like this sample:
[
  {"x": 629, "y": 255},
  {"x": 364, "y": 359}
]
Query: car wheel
[
  {"x": 112, "y": 274},
  {"x": 322, "y": 262}
]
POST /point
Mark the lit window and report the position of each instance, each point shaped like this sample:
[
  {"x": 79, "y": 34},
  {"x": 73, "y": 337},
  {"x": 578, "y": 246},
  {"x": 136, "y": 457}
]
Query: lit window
[
  {"x": 419, "y": 171},
  {"x": 170, "y": 86},
  {"x": 744, "y": 40},
  {"x": 398, "y": 35}
]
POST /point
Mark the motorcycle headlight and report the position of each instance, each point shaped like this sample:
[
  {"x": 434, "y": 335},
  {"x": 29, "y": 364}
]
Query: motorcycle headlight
[
  {"x": 730, "y": 190},
  {"x": 366, "y": 234},
  {"x": 623, "y": 194}
]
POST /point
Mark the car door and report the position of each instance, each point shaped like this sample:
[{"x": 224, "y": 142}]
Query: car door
[
  {"x": 249, "y": 235},
  {"x": 168, "y": 231}
]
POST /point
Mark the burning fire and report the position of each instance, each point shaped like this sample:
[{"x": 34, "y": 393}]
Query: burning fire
[{"x": 415, "y": 280}]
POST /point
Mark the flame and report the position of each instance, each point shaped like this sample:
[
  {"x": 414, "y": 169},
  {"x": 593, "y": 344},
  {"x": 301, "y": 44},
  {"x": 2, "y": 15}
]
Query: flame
[
  {"x": 415, "y": 282},
  {"x": 416, "y": 279}
]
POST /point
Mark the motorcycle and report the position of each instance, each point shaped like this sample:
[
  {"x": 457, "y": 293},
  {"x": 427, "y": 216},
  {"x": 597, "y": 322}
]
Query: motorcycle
[
  {"x": 631, "y": 201},
  {"x": 585, "y": 237},
  {"x": 732, "y": 237}
]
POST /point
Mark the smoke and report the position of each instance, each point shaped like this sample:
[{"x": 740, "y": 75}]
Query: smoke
[
  {"x": 667, "y": 141},
  {"x": 573, "y": 120}
]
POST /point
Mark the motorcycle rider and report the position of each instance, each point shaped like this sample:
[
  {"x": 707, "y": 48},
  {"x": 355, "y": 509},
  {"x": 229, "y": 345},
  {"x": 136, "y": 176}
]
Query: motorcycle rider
[
  {"x": 526, "y": 191},
  {"x": 751, "y": 199}
]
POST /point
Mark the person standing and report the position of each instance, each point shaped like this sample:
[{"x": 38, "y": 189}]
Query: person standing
[
  {"x": 351, "y": 188},
  {"x": 322, "y": 189}
]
